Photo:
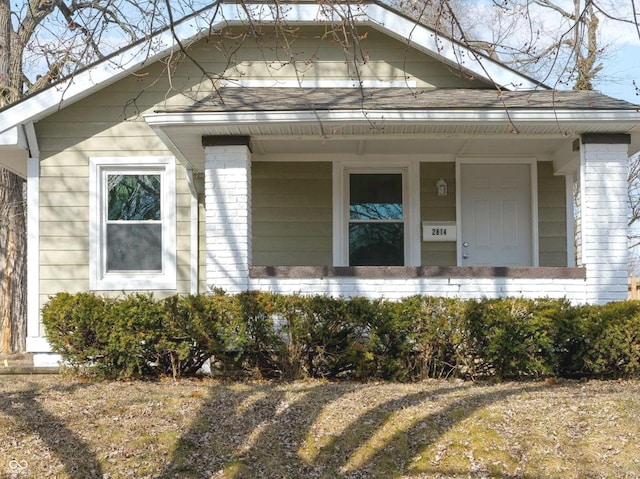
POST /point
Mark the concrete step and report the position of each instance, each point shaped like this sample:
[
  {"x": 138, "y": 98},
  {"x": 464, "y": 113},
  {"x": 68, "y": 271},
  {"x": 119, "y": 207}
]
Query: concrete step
[{"x": 22, "y": 363}]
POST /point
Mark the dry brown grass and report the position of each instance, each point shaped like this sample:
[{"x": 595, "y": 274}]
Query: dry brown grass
[{"x": 53, "y": 426}]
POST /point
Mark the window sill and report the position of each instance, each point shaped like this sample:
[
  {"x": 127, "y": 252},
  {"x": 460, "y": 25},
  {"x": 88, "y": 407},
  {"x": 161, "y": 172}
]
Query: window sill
[
  {"x": 387, "y": 272},
  {"x": 127, "y": 283}
]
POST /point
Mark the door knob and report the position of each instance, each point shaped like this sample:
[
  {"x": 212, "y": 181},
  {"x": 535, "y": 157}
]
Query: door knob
[{"x": 465, "y": 256}]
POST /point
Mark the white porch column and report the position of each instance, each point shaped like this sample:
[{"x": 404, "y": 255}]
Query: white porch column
[
  {"x": 603, "y": 204},
  {"x": 228, "y": 212}
]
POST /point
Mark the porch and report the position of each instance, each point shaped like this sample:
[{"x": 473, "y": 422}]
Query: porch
[{"x": 286, "y": 193}]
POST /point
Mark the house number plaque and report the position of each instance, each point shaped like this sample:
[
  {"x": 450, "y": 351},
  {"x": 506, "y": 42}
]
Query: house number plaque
[{"x": 441, "y": 231}]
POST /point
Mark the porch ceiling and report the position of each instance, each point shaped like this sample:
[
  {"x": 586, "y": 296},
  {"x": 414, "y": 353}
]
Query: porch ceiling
[
  {"x": 313, "y": 141},
  {"x": 310, "y": 123}
]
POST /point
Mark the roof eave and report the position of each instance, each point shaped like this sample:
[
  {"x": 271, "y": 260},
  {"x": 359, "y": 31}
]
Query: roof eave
[{"x": 542, "y": 124}]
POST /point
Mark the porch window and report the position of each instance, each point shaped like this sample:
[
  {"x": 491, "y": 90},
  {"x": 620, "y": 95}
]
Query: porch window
[
  {"x": 133, "y": 224},
  {"x": 376, "y": 229}
]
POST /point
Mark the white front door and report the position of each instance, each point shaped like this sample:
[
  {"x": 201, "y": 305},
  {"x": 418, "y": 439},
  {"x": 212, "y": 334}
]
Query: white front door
[{"x": 496, "y": 225}]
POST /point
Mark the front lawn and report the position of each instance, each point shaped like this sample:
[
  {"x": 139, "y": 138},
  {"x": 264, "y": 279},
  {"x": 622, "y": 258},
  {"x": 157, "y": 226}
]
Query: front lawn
[{"x": 54, "y": 426}]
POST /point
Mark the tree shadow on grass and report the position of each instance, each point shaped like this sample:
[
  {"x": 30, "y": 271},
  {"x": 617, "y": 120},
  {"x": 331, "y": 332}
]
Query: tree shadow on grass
[
  {"x": 228, "y": 432},
  {"x": 78, "y": 459},
  {"x": 395, "y": 454},
  {"x": 270, "y": 431},
  {"x": 299, "y": 430}
]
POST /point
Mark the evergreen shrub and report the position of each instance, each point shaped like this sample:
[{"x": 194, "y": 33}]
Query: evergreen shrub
[
  {"x": 74, "y": 327},
  {"x": 513, "y": 337},
  {"x": 436, "y": 340},
  {"x": 274, "y": 336},
  {"x": 612, "y": 336},
  {"x": 196, "y": 328}
]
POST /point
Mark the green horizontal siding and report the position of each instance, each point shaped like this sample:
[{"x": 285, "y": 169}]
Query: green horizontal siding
[
  {"x": 437, "y": 208},
  {"x": 291, "y": 211},
  {"x": 552, "y": 216}
]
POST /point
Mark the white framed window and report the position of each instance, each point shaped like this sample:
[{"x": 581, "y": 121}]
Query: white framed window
[
  {"x": 132, "y": 223},
  {"x": 374, "y": 209},
  {"x": 376, "y": 219}
]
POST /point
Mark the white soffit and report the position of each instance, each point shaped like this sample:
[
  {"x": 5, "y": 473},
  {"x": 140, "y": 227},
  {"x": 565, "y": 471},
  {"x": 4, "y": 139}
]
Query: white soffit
[
  {"x": 198, "y": 26},
  {"x": 13, "y": 137},
  {"x": 15, "y": 151},
  {"x": 440, "y": 132}
]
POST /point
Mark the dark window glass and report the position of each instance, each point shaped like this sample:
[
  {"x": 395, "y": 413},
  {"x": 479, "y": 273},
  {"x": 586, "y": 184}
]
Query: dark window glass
[
  {"x": 376, "y": 227},
  {"x": 376, "y": 244},
  {"x": 134, "y": 197},
  {"x": 375, "y": 197},
  {"x": 134, "y": 229}
]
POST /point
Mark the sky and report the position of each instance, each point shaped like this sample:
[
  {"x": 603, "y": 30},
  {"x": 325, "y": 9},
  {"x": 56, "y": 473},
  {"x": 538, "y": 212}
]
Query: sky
[
  {"x": 622, "y": 58},
  {"x": 621, "y": 41},
  {"x": 619, "y": 72}
]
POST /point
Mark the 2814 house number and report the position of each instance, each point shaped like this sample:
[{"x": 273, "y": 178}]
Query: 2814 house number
[{"x": 440, "y": 231}]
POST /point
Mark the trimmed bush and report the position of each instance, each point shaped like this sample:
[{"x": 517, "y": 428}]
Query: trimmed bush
[
  {"x": 274, "y": 336},
  {"x": 135, "y": 325},
  {"x": 260, "y": 347},
  {"x": 197, "y": 328},
  {"x": 512, "y": 338},
  {"x": 324, "y": 338},
  {"x": 136, "y": 336},
  {"x": 436, "y": 341},
  {"x": 612, "y": 339},
  {"x": 74, "y": 327}
]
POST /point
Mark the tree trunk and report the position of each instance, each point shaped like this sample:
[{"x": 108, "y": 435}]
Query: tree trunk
[
  {"x": 12, "y": 208},
  {"x": 13, "y": 324}
]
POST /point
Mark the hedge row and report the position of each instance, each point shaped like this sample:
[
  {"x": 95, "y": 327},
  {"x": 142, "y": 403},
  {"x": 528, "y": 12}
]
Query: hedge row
[{"x": 267, "y": 335}]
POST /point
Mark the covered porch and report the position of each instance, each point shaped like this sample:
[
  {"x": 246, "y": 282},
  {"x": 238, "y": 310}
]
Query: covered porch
[{"x": 508, "y": 196}]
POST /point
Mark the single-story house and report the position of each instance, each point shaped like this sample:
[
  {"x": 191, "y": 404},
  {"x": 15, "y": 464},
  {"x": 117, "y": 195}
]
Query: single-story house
[{"x": 327, "y": 148}]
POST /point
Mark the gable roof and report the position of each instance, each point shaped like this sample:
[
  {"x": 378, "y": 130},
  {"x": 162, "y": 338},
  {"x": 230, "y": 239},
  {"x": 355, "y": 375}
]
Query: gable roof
[{"x": 220, "y": 14}]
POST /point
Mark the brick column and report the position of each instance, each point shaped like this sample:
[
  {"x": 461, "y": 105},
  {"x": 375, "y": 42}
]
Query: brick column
[
  {"x": 603, "y": 212},
  {"x": 228, "y": 212}
]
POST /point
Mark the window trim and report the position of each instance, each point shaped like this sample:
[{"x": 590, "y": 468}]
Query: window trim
[
  {"x": 99, "y": 278},
  {"x": 410, "y": 198}
]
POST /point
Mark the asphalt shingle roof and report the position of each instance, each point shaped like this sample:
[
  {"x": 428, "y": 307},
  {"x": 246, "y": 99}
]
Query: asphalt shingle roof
[{"x": 292, "y": 99}]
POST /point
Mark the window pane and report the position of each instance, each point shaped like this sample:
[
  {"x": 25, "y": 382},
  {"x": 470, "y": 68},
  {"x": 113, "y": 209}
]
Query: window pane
[
  {"x": 375, "y": 196},
  {"x": 376, "y": 244},
  {"x": 134, "y": 247},
  {"x": 134, "y": 197}
]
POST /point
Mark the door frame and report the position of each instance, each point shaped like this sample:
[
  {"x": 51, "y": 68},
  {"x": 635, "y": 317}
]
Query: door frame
[{"x": 533, "y": 170}]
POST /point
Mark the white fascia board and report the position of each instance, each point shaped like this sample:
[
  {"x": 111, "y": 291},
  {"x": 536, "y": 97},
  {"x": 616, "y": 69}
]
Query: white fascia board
[
  {"x": 14, "y": 151},
  {"x": 135, "y": 57},
  {"x": 78, "y": 87},
  {"x": 108, "y": 71},
  {"x": 395, "y": 116}
]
